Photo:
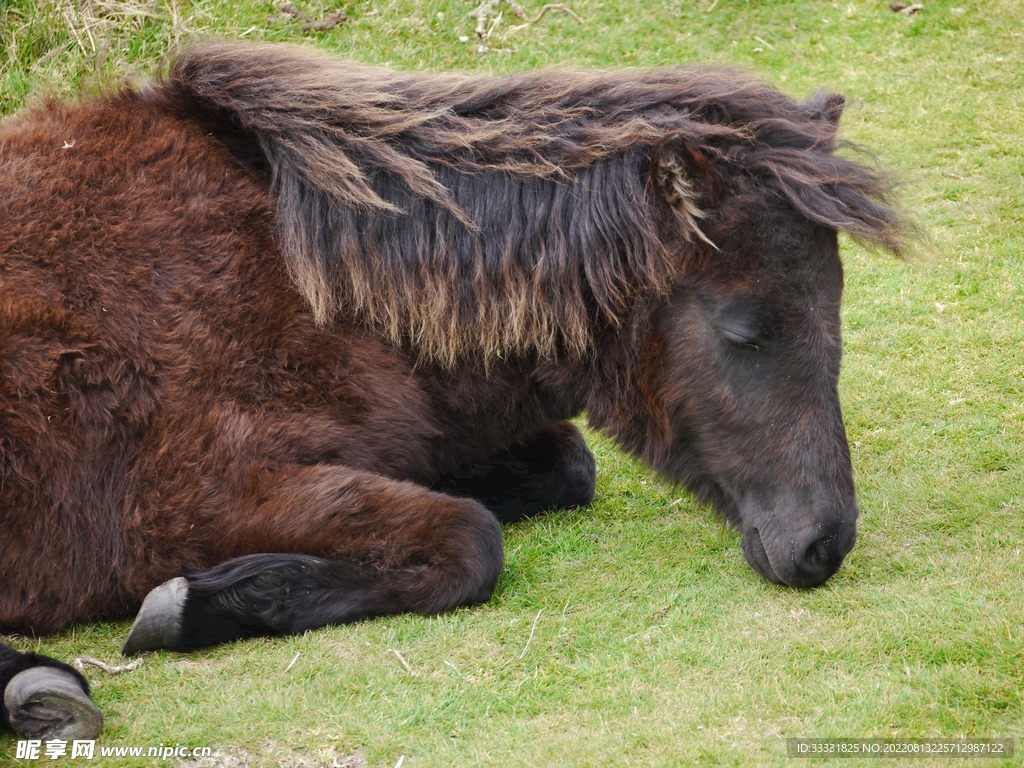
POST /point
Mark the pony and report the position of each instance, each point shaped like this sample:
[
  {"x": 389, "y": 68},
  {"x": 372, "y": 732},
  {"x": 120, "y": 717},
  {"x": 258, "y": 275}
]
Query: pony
[{"x": 284, "y": 339}]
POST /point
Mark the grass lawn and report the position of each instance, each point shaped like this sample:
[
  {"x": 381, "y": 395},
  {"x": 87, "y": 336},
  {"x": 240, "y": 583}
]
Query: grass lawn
[{"x": 633, "y": 632}]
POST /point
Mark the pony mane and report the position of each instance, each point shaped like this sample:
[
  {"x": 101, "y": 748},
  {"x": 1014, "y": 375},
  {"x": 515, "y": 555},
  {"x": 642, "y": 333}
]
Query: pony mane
[{"x": 480, "y": 216}]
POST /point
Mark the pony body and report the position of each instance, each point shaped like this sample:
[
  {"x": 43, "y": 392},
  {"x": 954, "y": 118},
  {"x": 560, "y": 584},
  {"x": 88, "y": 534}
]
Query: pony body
[{"x": 301, "y": 332}]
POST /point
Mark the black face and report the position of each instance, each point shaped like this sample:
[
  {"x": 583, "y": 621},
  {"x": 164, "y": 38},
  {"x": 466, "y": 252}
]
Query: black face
[{"x": 749, "y": 381}]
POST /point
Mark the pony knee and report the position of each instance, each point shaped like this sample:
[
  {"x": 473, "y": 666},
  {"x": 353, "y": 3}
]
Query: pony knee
[
  {"x": 465, "y": 566},
  {"x": 576, "y": 465}
]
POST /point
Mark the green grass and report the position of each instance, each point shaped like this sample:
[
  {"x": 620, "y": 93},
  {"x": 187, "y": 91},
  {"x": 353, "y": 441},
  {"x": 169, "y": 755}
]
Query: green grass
[{"x": 653, "y": 643}]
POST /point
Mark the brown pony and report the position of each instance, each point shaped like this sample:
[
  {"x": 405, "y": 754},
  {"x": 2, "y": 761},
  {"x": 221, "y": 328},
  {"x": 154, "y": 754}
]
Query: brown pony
[{"x": 294, "y": 334}]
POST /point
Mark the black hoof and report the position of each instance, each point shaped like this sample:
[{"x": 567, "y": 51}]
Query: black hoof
[
  {"x": 49, "y": 703},
  {"x": 158, "y": 624}
]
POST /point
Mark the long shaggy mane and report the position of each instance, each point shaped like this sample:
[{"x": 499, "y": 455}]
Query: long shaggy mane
[{"x": 479, "y": 216}]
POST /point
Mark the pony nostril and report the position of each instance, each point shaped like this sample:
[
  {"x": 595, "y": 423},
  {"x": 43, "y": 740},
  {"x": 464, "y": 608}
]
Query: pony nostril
[
  {"x": 816, "y": 556},
  {"x": 821, "y": 558}
]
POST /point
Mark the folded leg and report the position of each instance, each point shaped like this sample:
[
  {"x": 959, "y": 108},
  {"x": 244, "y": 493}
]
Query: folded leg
[
  {"x": 328, "y": 545},
  {"x": 551, "y": 470}
]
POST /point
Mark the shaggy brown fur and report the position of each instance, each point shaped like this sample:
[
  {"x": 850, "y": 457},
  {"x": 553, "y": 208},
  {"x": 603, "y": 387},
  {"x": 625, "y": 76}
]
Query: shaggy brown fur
[
  {"x": 459, "y": 214},
  {"x": 484, "y": 258}
]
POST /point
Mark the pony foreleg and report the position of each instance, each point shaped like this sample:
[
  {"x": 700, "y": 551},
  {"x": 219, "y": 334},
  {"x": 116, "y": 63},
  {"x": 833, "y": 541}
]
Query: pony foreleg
[
  {"x": 354, "y": 545},
  {"x": 551, "y": 470}
]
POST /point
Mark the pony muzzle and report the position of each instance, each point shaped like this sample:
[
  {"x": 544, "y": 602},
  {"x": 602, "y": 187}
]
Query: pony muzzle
[{"x": 804, "y": 558}]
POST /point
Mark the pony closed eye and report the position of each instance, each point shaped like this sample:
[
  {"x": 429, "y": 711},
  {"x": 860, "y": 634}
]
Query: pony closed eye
[
  {"x": 745, "y": 322},
  {"x": 744, "y": 334}
]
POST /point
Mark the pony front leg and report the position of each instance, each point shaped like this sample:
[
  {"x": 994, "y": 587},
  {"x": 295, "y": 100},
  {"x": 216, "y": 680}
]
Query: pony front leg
[
  {"x": 329, "y": 545},
  {"x": 553, "y": 469}
]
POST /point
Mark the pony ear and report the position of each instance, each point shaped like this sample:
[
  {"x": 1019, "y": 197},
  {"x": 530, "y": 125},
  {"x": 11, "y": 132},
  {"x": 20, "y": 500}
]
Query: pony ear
[
  {"x": 826, "y": 106},
  {"x": 686, "y": 185}
]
